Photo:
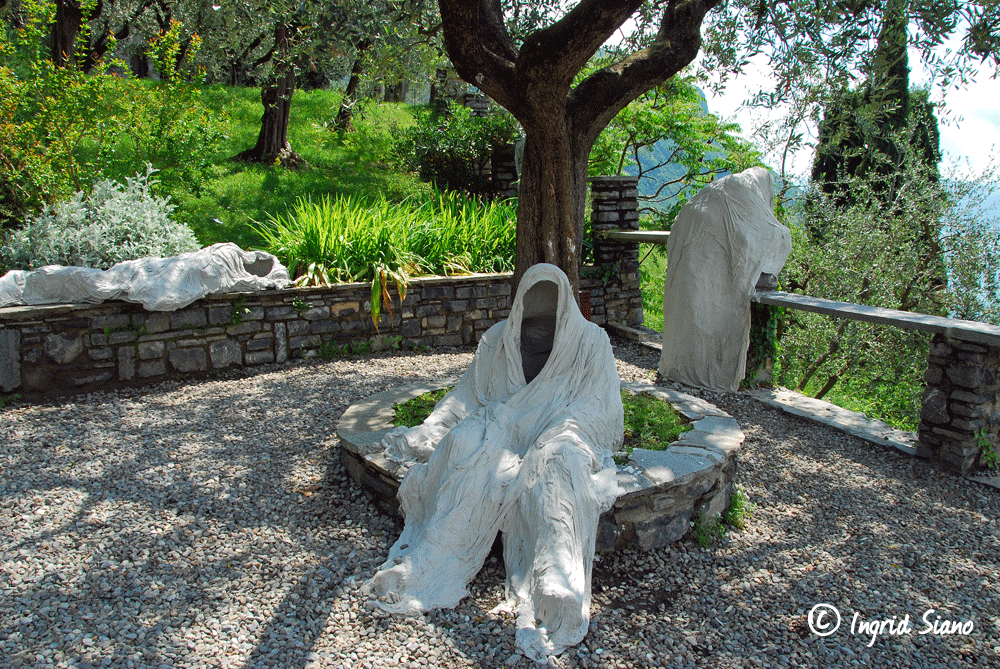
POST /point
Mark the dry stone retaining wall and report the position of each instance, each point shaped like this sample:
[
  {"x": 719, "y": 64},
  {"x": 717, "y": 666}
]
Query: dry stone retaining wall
[
  {"x": 68, "y": 349},
  {"x": 960, "y": 410},
  {"x": 614, "y": 206},
  {"x": 71, "y": 348},
  {"x": 661, "y": 491}
]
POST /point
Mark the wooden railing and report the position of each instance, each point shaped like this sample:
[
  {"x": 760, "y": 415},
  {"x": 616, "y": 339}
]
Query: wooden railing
[{"x": 960, "y": 407}]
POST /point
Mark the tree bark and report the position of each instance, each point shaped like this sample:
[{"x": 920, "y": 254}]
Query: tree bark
[
  {"x": 100, "y": 47},
  {"x": 397, "y": 92},
  {"x": 272, "y": 143},
  {"x": 552, "y": 201},
  {"x": 345, "y": 114},
  {"x": 561, "y": 122},
  {"x": 69, "y": 18}
]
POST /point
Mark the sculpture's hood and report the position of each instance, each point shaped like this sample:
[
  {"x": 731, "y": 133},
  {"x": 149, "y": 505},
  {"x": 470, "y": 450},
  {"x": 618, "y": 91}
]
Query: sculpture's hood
[{"x": 545, "y": 289}]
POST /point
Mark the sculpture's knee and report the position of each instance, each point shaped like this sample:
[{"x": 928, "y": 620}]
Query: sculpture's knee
[{"x": 567, "y": 449}]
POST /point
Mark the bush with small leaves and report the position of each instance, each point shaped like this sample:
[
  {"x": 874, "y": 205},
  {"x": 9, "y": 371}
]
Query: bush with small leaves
[
  {"x": 116, "y": 222},
  {"x": 452, "y": 149}
]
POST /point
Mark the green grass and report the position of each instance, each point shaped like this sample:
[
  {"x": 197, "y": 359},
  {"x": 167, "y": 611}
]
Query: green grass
[
  {"x": 445, "y": 234},
  {"x": 707, "y": 531},
  {"x": 237, "y": 195},
  {"x": 739, "y": 511},
  {"x": 415, "y": 411},
  {"x": 896, "y": 403},
  {"x": 650, "y": 423},
  {"x": 341, "y": 239}
]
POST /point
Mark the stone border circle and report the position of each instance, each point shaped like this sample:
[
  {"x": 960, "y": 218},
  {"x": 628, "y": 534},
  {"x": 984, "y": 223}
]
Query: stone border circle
[{"x": 662, "y": 490}]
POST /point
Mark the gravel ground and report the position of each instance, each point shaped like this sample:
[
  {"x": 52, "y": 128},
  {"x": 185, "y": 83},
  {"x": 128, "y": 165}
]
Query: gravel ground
[{"x": 204, "y": 525}]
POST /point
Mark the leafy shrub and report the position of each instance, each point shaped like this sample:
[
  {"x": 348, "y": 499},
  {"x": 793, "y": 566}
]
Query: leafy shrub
[
  {"x": 451, "y": 149},
  {"x": 455, "y": 234},
  {"x": 928, "y": 246},
  {"x": 62, "y": 128},
  {"x": 116, "y": 222},
  {"x": 343, "y": 240}
]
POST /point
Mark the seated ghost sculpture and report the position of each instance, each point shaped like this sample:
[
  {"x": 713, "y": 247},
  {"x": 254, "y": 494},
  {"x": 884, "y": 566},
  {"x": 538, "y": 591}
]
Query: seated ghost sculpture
[{"x": 522, "y": 446}]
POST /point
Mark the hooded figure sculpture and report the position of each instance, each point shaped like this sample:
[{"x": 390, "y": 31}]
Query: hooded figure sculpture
[
  {"x": 521, "y": 445},
  {"x": 723, "y": 239}
]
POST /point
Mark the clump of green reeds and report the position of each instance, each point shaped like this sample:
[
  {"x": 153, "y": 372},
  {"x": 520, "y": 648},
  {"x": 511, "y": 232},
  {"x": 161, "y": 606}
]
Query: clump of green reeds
[{"x": 342, "y": 240}]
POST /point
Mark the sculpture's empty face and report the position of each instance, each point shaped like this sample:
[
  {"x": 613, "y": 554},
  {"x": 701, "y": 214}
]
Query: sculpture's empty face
[{"x": 538, "y": 327}]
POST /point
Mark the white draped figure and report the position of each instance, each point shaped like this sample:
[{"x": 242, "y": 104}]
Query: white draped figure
[
  {"x": 723, "y": 239},
  {"x": 521, "y": 445}
]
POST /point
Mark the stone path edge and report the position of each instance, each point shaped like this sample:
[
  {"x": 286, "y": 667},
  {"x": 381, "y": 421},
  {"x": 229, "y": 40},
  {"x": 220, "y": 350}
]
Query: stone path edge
[
  {"x": 808, "y": 408},
  {"x": 662, "y": 491}
]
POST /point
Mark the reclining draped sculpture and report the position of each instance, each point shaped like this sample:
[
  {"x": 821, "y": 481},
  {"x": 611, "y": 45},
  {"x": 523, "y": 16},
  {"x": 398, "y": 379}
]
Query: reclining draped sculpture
[
  {"x": 158, "y": 284},
  {"x": 522, "y": 445}
]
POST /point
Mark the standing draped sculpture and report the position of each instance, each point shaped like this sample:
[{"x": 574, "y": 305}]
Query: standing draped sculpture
[
  {"x": 522, "y": 446},
  {"x": 723, "y": 239}
]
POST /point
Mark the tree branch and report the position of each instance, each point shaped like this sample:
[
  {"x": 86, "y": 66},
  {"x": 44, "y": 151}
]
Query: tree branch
[
  {"x": 563, "y": 48},
  {"x": 479, "y": 46},
  {"x": 599, "y": 98}
]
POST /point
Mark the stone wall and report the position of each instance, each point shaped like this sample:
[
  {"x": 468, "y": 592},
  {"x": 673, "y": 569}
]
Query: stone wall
[
  {"x": 960, "y": 409},
  {"x": 68, "y": 349},
  {"x": 615, "y": 207},
  {"x": 74, "y": 348},
  {"x": 503, "y": 172}
]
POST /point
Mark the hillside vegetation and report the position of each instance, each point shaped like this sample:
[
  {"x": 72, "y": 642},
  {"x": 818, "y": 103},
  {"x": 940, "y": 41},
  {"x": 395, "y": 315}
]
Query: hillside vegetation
[{"x": 367, "y": 183}]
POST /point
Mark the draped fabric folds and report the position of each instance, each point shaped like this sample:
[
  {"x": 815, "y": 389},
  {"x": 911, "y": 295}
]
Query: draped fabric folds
[
  {"x": 158, "y": 284},
  {"x": 723, "y": 239},
  {"x": 521, "y": 445}
]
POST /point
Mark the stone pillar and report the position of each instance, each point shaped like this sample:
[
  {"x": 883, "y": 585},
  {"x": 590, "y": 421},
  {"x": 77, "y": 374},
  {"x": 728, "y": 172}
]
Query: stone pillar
[
  {"x": 961, "y": 412},
  {"x": 10, "y": 360},
  {"x": 478, "y": 105},
  {"x": 614, "y": 206},
  {"x": 504, "y": 172}
]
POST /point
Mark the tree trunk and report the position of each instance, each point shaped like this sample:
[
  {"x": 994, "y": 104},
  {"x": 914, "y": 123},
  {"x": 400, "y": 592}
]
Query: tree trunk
[
  {"x": 139, "y": 63},
  {"x": 561, "y": 118},
  {"x": 551, "y": 205},
  {"x": 69, "y": 18},
  {"x": 346, "y": 113},
  {"x": 100, "y": 47},
  {"x": 396, "y": 92},
  {"x": 272, "y": 143},
  {"x": 828, "y": 386}
]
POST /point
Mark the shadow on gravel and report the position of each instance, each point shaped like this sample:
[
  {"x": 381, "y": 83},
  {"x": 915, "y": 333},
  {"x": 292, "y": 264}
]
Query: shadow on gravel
[
  {"x": 131, "y": 544},
  {"x": 226, "y": 534}
]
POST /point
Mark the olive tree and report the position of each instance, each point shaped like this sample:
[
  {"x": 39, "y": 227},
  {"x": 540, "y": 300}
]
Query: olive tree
[
  {"x": 536, "y": 82},
  {"x": 809, "y": 45}
]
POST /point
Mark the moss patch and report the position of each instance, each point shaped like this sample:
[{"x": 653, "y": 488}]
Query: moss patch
[
  {"x": 414, "y": 411},
  {"x": 650, "y": 422}
]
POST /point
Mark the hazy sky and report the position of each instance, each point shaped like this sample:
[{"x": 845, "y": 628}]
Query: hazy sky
[{"x": 970, "y": 127}]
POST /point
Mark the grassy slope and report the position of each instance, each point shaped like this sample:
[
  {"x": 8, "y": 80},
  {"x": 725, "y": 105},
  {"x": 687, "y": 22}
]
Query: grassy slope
[{"x": 238, "y": 194}]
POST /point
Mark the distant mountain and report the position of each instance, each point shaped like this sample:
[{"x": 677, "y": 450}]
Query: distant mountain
[{"x": 654, "y": 177}]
